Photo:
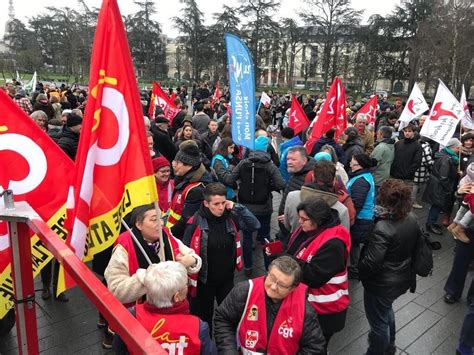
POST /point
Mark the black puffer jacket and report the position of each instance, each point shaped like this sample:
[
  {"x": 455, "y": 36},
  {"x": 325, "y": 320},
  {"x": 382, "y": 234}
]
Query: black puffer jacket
[
  {"x": 68, "y": 142},
  {"x": 442, "y": 182},
  {"x": 385, "y": 265},
  {"x": 407, "y": 159},
  {"x": 230, "y": 312}
]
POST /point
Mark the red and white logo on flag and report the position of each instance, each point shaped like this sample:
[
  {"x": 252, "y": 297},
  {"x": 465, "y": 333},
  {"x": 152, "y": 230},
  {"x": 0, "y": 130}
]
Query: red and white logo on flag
[{"x": 298, "y": 119}]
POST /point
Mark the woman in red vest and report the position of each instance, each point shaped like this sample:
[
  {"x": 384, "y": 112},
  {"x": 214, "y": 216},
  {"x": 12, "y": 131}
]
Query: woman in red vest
[
  {"x": 322, "y": 245},
  {"x": 165, "y": 313},
  {"x": 164, "y": 183}
]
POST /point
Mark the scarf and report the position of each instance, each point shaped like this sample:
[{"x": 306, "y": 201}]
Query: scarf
[
  {"x": 151, "y": 249},
  {"x": 452, "y": 155}
]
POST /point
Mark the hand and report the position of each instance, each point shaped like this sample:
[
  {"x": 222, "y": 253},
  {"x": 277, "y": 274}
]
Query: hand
[
  {"x": 187, "y": 260},
  {"x": 465, "y": 189},
  {"x": 229, "y": 205},
  {"x": 281, "y": 218},
  {"x": 267, "y": 251}
]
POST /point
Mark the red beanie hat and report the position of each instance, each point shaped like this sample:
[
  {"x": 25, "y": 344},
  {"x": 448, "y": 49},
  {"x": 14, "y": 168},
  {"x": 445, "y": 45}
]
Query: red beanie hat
[{"x": 159, "y": 162}]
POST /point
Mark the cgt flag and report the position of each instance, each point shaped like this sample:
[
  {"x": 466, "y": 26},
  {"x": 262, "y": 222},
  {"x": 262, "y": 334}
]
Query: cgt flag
[
  {"x": 414, "y": 108},
  {"x": 444, "y": 116},
  {"x": 113, "y": 171},
  {"x": 31, "y": 164},
  {"x": 368, "y": 110},
  {"x": 161, "y": 98},
  {"x": 298, "y": 119},
  {"x": 242, "y": 91},
  {"x": 332, "y": 114},
  {"x": 217, "y": 94}
]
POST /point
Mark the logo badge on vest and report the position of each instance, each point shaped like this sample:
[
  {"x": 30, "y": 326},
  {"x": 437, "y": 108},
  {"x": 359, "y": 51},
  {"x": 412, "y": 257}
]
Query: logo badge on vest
[
  {"x": 285, "y": 330},
  {"x": 251, "y": 338},
  {"x": 253, "y": 313}
]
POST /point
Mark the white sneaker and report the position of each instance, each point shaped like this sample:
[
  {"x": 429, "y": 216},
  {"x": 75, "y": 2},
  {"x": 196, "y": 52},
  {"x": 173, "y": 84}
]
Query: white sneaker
[{"x": 417, "y": 206}]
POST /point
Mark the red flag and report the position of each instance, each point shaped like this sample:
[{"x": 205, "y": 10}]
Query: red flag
[
  {"x": 113, "y": 171},
  {"x": 217, "y": 94},
  {"x": 36, "y": 169},
  {"x": 152, "y": 106},
  {"x": 369, "y": 110},
  {"x": 169, "y": 108},
  {"x": 172, "y": 97},
  {"x": 298, "y": 119},
  {"x": 332, "y": 114}
]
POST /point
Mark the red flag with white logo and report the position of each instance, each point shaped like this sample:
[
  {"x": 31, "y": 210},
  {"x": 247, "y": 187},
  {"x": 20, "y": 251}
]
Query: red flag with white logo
[
  {"x": 169, "y": 108},
  {"x": 298, "y": 119},
  {"x": 113, "y": 171},
  {"x": 414, "y": 108},
  {"x": 368, "y": 110},
  {"x": 332, "y": 114},
  {"x": 37, "y": 171},
  {"x": 217, "y": 94},
  {"x": 444, "y": 116}
]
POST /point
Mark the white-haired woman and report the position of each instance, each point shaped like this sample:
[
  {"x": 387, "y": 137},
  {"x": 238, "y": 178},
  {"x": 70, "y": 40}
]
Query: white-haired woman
[{"x": 165, "y": 313}]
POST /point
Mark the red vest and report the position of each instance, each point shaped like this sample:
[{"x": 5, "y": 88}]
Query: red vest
[
  {"x": 288, "y": 326},
  {"x": 333, "y": 297},
  {"x": 126, "y": 241},
  {"x": 165, "y": 195},
  {"x": 177, "y": 333},
  {"x": 196, "y": 246},
  {"x": 177, "y": 204}
]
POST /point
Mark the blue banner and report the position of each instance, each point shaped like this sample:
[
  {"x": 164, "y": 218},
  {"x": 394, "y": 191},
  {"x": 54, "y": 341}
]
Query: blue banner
[{"x": 242, "y": 91}]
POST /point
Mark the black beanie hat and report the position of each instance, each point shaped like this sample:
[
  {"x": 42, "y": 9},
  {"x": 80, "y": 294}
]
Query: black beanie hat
[
  {"x": 287, "y": 133},
  {"x": 189, "y": 154},
  {"x": 73, "y": 120},
  {"x": 365, "y": 161}
]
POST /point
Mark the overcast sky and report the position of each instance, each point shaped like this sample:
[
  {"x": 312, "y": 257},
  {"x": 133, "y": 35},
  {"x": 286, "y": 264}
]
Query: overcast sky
[{"x": 166, "y": 10}]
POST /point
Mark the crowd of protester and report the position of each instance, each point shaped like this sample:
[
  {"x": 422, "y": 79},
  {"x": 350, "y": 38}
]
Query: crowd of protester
[{"x": 345, "y": 213}]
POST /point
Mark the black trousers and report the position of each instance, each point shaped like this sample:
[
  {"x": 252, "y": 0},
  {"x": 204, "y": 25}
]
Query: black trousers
[
  {"x": 203, "y": 304},
  {"x": 50, "y": 272}
]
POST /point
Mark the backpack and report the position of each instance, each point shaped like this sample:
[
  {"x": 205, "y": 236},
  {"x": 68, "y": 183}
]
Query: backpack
[
  {"x": 423, "y": 256},
  {"x": 254, "y": 187}
]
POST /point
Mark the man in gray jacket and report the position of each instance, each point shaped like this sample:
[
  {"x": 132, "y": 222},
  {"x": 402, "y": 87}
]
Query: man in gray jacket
[{"x": 324, "y": 173}]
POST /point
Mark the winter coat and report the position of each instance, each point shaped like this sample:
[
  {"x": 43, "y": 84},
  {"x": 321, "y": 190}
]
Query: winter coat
[
  {"x": 352, "y": 148},
  {"x": 341, "y": 155},
  {"x": 385, "y": 265},
  {"x": 276, "y": 181},
  {"x": 384, "y": 153},
  {"x": 295, "y": 197},
  {"x": 407, "y": 160},
  {"x": 162, "y": 143},
  {"x": 48, "y": 109},
  {"x": 208, "y": 140},
  {"x": 423, "y": 173},
  {"x": 296, "y": 181},
  {"x": 55, "y": 133},
  {"x": 230, "y": 312},
  {"x": 200, "y": 122},
  {"x": 68, "y": 142},
  {"x": 367, "y": 138},
  {"x": 293, "y": 142},
  {"x": 442, "y": 182}
]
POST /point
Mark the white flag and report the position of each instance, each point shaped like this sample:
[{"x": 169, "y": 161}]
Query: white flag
[
  {"x": 265, "y": 99},
  {"x": 415, "y": 107},
  {"x": 18, "y": 77},
  {"x": 467, "y": 119},
  {"x": 444, "y": 116},
  {"x": 30, "y": 86}
]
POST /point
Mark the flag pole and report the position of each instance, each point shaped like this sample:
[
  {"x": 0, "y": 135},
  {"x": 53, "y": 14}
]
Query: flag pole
[
  {"x": 460, "y": 150},
  {"x": 137, "y": 243},
  {"x": 161, "y": 251}
]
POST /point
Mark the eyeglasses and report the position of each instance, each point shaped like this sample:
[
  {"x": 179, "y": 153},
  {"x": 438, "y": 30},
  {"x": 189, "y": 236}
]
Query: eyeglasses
[{"x": 277, "y": 283}]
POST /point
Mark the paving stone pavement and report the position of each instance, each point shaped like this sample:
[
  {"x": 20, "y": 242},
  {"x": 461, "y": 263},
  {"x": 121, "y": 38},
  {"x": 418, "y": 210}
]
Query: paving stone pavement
[{"x": 425, "y": 323}]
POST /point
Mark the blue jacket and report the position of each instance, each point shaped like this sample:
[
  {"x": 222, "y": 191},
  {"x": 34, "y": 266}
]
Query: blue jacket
[
  {"x": 225, "y": 163},
  {"x": 284, "y": 152},
  {"x": 361, "y": 187}
]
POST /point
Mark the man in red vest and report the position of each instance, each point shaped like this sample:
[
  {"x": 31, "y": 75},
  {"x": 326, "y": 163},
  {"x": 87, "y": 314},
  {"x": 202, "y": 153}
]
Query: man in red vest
[
  {"x": 269, "y": 315},
  {"x": 165, "y": 314}
]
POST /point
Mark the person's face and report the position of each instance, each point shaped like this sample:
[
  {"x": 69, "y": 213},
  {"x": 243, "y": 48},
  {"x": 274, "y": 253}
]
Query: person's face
[
  {"x": 180, "y": 169},
  {"x": 408, "y": 133},
  {"x": 468, "y": 143},
  {"x": 398, "y": 103},
  {"x": 150, "y": 143},
  {"x": 41, "y": 121},
  {"x": 212, "y": 127},
  {"x": 163, "y": 126},
  {"x": 422, "y": 120},
  {"x": 216, "y": 205},
  {"x": 355, "y": 165},
  {"x": 163, "y": 174},
  {"x": 361, "y": 125},
  {"x": 277, "y": 284},
  {"x": 392, "y": 121},
  {"x": 77, "y": 128},
  {"x": 150, "y": 226},
  {"x": 455, "y": 149},
  {"x": 306, "y": 223},
  {"x": 230, "y": 149},
  {"x": 295, "y": 162},
  {"x": 187, "y": 132},
  {"x": 379, "y": 135}
]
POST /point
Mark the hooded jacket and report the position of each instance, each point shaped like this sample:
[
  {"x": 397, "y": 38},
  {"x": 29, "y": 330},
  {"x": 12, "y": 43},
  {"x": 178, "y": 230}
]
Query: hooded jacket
[
  {"x": 407, "y": 159},
  {"x": 284, "y": 147},
  {"x": 352, "y": 148},
  {"x": 276, "y": 181},
  {"x": 384, "y": 153},
  {"x": 312, "y": 190}
]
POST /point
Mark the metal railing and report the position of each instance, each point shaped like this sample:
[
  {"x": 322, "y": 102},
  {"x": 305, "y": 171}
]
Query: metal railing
[{"x": 20, "y": 220}]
